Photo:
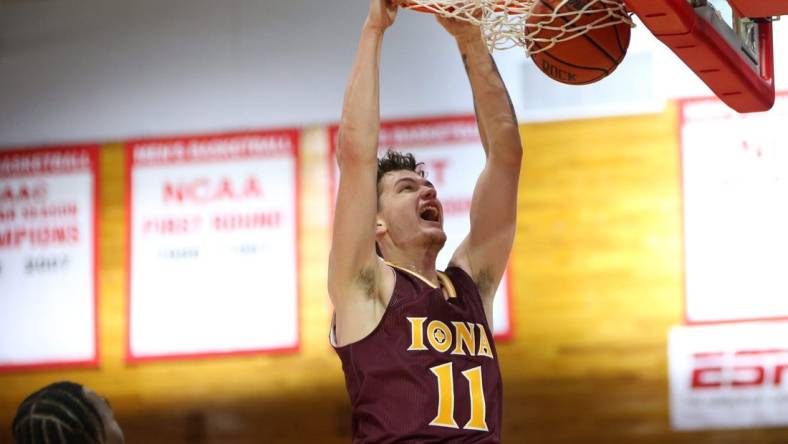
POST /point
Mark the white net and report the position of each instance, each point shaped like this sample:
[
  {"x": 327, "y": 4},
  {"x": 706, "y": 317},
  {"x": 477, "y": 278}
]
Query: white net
[{"x": 531, "y": 24}]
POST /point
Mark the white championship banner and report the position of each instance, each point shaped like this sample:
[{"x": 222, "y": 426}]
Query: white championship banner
[
  {"x": 213, "y": 245},
  {"x": 48, "y": 258},
  {"x": 453, "y": 156},
  {"x": 729, "y": 376},
  {"x": 735, "y": 185}
]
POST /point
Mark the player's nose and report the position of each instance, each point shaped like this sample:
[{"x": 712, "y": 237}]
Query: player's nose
[{"x": 428, "y": 192}]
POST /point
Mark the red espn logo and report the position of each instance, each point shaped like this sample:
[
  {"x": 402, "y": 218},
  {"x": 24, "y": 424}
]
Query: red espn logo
[{"x": 740, "y": 369}]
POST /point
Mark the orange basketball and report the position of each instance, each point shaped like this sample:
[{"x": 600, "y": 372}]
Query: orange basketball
[{"x": 586, "y": 58}]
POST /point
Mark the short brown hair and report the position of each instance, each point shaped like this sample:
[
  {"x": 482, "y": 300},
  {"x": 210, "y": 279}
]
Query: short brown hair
[{"x": 395, "y": 161}]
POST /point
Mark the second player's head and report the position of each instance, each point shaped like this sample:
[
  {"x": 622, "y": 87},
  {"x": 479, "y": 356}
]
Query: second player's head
[
  {"x": 410, "y": 216},
  {"x": 65, "y": 413}
]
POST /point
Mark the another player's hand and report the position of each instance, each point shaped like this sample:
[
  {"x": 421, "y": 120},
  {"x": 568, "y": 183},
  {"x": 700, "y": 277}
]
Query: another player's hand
[
  {"x": 381, "y": 14},
  {"x": 460, "y": 29}
]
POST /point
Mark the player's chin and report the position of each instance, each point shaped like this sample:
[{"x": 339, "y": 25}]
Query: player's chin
[{"x": 434, "y": 230}]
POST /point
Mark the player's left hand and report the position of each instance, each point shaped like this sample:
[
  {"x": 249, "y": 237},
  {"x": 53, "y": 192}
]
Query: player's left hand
[{"x": 382, "y": 14}]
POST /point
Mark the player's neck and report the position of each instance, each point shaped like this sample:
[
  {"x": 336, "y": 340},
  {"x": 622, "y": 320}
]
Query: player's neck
[{"x": 420, "y": 262}]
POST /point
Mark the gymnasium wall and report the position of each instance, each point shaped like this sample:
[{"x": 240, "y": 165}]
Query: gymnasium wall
[{"x": 597, "y": 279}]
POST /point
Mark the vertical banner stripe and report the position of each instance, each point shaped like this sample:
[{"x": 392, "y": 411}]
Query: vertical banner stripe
[
  {"x": 48, "y": 249},
  {"x": 213, "y": 228},
  {"x": 735, "y": 189}
]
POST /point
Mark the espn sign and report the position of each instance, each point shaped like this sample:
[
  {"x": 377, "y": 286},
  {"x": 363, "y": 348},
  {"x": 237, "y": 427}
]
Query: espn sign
[
  {"x": 740, "y": 369},
  {"x": 729, "y": 376}
]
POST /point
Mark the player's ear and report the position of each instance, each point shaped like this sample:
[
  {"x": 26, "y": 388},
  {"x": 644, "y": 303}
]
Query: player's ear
[{"x": 380, "y": 227}]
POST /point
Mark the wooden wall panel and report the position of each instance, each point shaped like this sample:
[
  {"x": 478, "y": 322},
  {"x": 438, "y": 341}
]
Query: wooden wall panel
[{"x": 597, "y": 284}]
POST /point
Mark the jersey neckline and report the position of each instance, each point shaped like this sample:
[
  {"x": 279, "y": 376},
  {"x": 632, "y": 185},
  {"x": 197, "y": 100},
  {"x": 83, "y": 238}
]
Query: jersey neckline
[{"x": 445, "y": 281}]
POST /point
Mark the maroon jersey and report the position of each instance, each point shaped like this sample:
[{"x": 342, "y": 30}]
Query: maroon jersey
[{"x": 428, "y": 372}]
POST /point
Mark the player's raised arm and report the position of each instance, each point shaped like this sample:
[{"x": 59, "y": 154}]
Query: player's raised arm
[
  {"x": 485, "y": 251},
  {"x": 353, "y": 270}
]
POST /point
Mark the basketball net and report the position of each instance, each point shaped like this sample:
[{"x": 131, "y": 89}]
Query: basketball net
[{"x": 510, "y": 23}]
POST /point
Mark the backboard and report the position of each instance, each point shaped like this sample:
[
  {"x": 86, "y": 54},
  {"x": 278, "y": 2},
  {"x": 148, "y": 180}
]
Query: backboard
[{"x": 732, "y": 53}]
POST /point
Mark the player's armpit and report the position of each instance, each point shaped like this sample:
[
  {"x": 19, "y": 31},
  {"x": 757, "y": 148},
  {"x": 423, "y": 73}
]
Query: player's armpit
[{"x": 361, "y": 305}]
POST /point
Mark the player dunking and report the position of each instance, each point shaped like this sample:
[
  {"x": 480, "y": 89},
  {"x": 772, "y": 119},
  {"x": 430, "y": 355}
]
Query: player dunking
[{"x": 416, "y": 344}]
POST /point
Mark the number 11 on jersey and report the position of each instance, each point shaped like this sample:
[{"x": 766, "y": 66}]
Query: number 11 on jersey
[{"x": 445, "y": 416}]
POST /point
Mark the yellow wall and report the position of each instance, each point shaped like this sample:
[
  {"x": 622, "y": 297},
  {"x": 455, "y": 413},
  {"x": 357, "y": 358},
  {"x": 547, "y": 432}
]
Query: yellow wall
[{"x": 597, "y": 281}]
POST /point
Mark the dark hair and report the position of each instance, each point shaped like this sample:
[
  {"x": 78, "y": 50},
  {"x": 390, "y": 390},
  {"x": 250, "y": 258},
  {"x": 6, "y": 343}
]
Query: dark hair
[
  {"x": 59, "y": 413},
  {"x": 395, "y": 161}
]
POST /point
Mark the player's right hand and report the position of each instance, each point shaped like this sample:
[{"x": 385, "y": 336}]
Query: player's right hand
[
  {"x": 460, "y": 29},
  {"x": 382, "y": 14}
]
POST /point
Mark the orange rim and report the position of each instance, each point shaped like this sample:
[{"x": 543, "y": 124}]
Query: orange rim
[
  {"x": 414, "y": 7},
  {"x": 419, "y": 8}
]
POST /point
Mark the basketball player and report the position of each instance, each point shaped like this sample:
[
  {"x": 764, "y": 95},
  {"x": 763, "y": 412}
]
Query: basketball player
[
  {"x": 416, "y": 344},
  {"x": 65, "y": 413}
]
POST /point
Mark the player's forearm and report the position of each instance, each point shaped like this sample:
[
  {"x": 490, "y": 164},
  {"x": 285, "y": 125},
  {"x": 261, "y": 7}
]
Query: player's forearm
[
  {"x": 494, "y": 109},
  {"x": 360, "y": 124}
]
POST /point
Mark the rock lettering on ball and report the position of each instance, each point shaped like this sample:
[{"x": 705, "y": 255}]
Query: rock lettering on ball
[{"x": 557, "y": 73}]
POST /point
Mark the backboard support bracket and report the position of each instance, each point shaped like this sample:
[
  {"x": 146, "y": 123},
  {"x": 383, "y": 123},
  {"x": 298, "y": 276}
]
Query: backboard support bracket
[{"x": 736, "y": 64}]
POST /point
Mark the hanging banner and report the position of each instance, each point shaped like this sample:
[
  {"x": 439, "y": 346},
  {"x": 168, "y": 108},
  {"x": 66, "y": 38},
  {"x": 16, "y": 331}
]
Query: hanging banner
[
  {"x": 729, "y": 376},
  {"x": 48, "y": 244},
  {"x": 213, "y": 245},
  {"x": 735, "y": 186},
  {"x": 451, "y": 150}
]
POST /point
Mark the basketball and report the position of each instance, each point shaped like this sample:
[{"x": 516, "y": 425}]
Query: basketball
[{"x": 586, "y": 58}]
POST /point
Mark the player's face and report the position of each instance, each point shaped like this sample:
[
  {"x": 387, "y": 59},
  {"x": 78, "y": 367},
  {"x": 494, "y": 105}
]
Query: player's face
[
  {"x": 113, "y": 433},
  {"x": 408, "y": 205}
]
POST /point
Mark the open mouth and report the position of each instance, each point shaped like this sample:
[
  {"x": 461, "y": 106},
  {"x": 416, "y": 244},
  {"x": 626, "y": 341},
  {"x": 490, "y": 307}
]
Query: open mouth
[{"x": 430, "y": 214}]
